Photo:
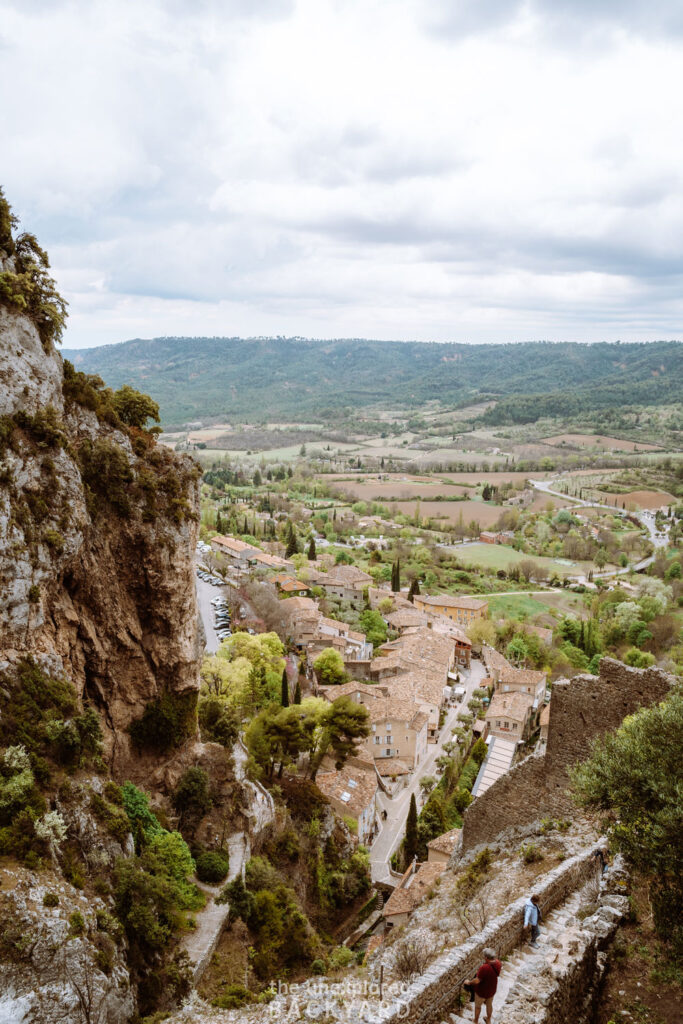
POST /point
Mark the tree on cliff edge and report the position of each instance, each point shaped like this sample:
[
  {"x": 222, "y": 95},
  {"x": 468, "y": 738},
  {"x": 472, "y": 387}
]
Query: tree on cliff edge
[{"x": 635, "y": 776}]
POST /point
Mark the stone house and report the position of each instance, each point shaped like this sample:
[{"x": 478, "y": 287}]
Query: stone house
[
  {"x": 236, "y": 551},
  {"x": 413, "y": 888},
  {"x": 290, "y": 586},
  {"x": 439, "y": 850},
  {"x": 511, "y": 715},
  {"x": 352, "y": 792},
  {"x": 398, "y": 730},
  {"x": 461, "y": 610},
  {"x": 345, "y": 582}
]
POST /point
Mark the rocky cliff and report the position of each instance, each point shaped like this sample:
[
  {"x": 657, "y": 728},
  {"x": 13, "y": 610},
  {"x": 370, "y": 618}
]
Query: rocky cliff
[{"x": 98, "y": 526}]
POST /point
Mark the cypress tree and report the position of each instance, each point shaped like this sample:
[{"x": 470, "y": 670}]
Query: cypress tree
[
  {"x": 297, "y": 693},
  {"x": 312, "y": 554},
  {"x": 292, "y": 545},
  {"x": 246, "y": 526},
  {"x": 414, "y": 589},
  {"x": 285, "y": 689},
  {"x": 410, "y": 841}
]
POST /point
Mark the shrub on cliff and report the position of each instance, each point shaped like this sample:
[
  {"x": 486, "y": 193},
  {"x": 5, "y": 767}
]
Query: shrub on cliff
[
  {"x": 165, "y": 722},
  {"x": 29, "y": 288}
]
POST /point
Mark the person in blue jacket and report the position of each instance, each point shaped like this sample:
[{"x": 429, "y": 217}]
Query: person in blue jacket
[{"x": 532, "y": 919}]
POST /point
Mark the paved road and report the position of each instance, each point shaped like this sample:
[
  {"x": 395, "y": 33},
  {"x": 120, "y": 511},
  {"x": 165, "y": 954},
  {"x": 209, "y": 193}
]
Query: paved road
[{"x": 397, "y": 807}]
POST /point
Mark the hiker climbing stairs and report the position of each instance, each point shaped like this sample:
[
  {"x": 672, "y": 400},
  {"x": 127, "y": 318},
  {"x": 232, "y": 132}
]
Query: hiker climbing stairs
[{"x": 524, "y": 962}]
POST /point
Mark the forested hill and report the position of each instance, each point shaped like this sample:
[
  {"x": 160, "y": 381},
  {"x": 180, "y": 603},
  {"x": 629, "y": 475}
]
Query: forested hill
[{"x": 199, "y": 378}]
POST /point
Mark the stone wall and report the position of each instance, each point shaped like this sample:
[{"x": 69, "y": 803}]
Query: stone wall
[
  {"x": 568, "y": 988},
  {"x": 581, "y": 709},
  {"x": 432, "y": 996}
]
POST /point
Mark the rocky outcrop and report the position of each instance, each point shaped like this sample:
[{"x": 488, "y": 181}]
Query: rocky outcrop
[
  {"x": 62, "y": 954},
  {"x": 98, "y": 527}
]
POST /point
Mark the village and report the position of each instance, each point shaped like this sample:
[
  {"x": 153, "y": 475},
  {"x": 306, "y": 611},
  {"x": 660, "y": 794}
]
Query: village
[{"x": 429, "y": 696}]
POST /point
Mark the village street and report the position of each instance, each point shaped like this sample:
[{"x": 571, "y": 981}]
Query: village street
[{"x": 398, "y": 806}]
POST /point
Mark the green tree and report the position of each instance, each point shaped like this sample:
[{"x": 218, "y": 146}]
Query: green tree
[
  {"x": 292, "y": 541},
  {"x": 284, "y": 700},
  {"x": 413, "y": 589},
  {"x": 410, "y": 840},
  {"x": 374, "y": 627},
  {"x": 517, "y": 650},
  {"x": 218, "y": 721},
  {"x": 134, "y": 408},
  {"x": 329, "y": 667},
  {"x": 340, "y": 727},
  {"x": 297, "y": 692},
  {"x": 635, "y": 776},
  {"x": 312, "y": 554}
]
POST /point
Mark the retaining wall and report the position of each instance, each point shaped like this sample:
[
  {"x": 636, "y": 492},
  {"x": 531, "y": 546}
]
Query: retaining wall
[
  {"x": 429, "y": 999},
  {"x": 581, "y": 709}
]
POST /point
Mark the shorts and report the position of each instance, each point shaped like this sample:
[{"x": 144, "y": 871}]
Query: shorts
[{"x": 488, "y": 1002}]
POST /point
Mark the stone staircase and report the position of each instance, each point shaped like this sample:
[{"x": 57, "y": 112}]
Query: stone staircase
[{"x": 555, "y": 943}]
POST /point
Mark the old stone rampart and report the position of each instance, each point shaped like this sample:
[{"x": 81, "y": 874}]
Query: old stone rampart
[
  {"x": 567, "y": 987},
  {"x": 581, "y": 709},
  {"x": 429, "y": 999}
]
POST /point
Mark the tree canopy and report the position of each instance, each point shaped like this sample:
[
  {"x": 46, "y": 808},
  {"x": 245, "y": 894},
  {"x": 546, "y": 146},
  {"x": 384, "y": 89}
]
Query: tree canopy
[{"x": 635, "y": 776}]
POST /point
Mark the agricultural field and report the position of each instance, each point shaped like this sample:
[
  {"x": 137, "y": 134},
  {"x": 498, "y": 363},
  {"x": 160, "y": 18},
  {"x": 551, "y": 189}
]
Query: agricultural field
[
  {"x": 615, "y": 444},
  {"x": 515, "y": 606},
  {"x": 638, "y": 499}
]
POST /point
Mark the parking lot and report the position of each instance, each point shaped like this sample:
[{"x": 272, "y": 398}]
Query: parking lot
[{"x": 211, "y": 600}]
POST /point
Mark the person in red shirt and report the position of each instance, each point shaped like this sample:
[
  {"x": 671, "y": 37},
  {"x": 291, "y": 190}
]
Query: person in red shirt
[{"x": 485, "y": 984}]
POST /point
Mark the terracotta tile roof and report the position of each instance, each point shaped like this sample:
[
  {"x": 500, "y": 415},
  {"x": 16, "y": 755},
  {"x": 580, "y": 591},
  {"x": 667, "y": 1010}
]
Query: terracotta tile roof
[
  {"x": 388, "y": 766},
  {"x": 301, "y": 604},
  {"x": 353, "y": 788},
  {"x": 412, "y": 888},
  {"x": 493, "y": 659},
  {"x": 331, "y": 693},
  {"x": 233, "y": 544},
  {"x": 348, "y": 575},
  {"x": 522, "y": 677},
  {"x": 452, "y": 601},
  {"x": 447, "y": 842},
  {"x": 510, "y": 705}
]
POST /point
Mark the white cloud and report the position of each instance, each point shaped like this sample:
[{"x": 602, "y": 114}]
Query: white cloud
[{"x": 372, "y": 167}]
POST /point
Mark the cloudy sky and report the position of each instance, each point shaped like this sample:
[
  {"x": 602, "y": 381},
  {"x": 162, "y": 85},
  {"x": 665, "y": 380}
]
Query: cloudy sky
[{"x": 465, "y": 170}]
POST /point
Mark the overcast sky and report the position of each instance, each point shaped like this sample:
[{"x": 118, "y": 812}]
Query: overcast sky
[{"x": 465, "y": 170}]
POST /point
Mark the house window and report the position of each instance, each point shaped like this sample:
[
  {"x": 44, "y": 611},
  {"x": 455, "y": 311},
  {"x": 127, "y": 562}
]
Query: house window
[
  {"x": 378, "y": 739},
  {"x": 388, "y": 726},
  {"x": 514, "y": 726}
]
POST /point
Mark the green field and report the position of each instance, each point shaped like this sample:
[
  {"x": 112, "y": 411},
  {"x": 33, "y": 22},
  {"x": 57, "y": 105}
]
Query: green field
[
  {"x": 498, "y": 556},
  {"x": 516, "y": 606}
]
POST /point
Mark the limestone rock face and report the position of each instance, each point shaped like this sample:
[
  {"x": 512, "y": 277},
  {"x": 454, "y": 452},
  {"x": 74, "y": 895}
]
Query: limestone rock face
[
  {"x": 64, "y": 964},
  {"x": 30, "y": 379},
  {"x": 102, "y": 578}
]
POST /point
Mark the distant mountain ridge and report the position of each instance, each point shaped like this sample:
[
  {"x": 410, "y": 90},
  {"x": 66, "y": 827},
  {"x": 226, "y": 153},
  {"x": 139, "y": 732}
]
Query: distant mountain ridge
[{"x": 268, "y": 378}]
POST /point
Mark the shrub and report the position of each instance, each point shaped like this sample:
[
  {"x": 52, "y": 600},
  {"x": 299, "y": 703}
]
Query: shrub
[
  {"x": 318, "y": 967},
  {"x": 76, "y": 923},
  {"x": 213, "y": 866},
  {"x": 165, "y": 722},
  {"x": 218, "y": 721},
  {"x": 233, "y": 997},
  {"x": 50, "y": 899},
  {"x": 191, "y": 797},
  {"x": 342, "y": 956},
  {"x": 530, "y": 853}
]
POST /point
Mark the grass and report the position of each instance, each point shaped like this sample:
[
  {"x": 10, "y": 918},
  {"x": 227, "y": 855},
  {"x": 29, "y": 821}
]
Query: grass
[
  {"x": 498, "y": 556},
  {"x": 515, "y": 606}
]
